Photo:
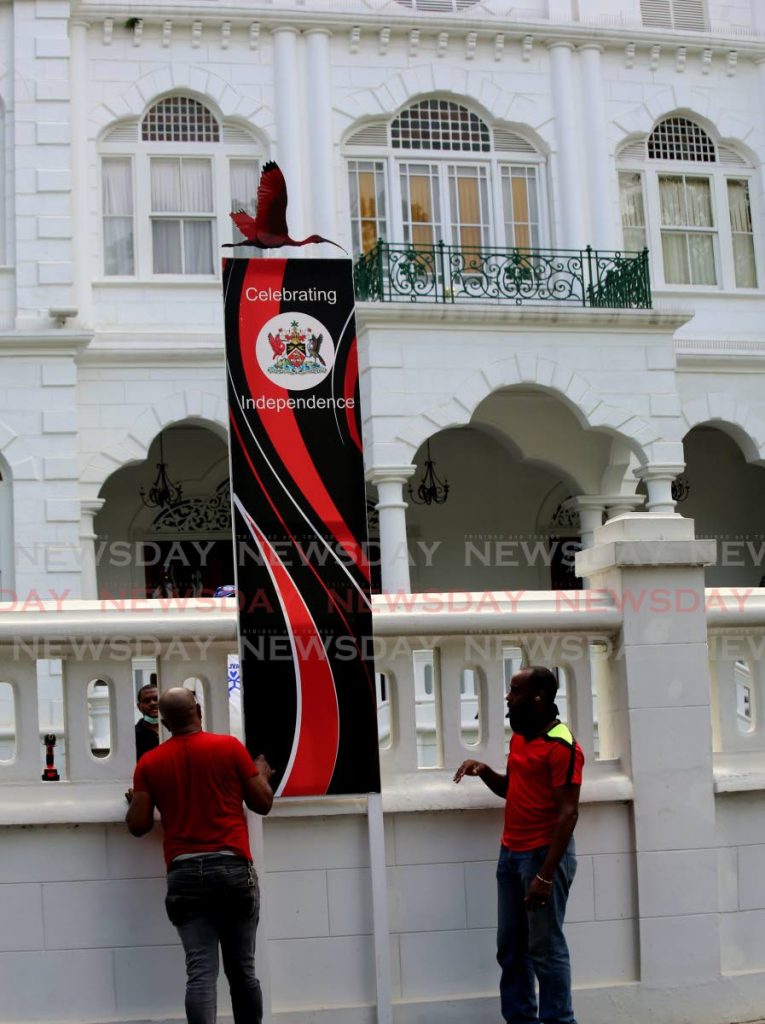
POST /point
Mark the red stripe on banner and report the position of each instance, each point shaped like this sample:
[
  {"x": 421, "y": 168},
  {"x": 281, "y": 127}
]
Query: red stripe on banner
[
  {"x": 318, "y": 738},
  {"x": 281, "y": 426},
  {"x": 289, "y": 533},
  {"x": 349, "y": 390}
]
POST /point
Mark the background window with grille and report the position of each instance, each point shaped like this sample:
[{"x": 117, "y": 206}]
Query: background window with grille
[
  {"x": 168, "y": 182},
  {"x": 699, "y": 216},
  {"x": 454, "y": 180}
]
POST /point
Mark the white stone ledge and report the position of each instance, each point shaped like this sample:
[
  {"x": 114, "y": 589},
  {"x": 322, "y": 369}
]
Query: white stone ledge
[
  {"x": 69, "y": 803},
  {"x": 380, "y": 314},
  {"x": 742, "y": 772}
]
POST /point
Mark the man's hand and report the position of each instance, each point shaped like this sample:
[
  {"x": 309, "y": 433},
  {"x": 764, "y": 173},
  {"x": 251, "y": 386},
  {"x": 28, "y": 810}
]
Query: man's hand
[
  {"x": 538, "y": 893},
  {"x": 264, "y": 768},
  {"x": 129, "y": 795},
  {"x": 469, "y": 767}
]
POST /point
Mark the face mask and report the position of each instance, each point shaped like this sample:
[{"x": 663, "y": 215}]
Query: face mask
[{"x": 151, "y": 720}]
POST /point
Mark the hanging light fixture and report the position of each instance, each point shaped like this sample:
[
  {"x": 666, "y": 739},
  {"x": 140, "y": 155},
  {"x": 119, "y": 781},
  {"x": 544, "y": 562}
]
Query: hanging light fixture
[
  {"x": 681, "y": 488},
  {"x": 163, "y": 492},
  {"x": 431, "y": 490}
]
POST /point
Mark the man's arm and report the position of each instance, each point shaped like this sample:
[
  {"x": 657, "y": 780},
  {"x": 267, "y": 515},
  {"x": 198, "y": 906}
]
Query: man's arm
[
  {"x": 258, "y": 795},
  {"x": 497, "y": 783},
  {"x": 567, "y": 804},
  {"x": 140, "y": 816}
]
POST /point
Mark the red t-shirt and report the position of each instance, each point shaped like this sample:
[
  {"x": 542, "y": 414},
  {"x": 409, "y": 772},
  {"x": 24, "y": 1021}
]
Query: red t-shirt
[
  {"x": 534, "y": 768},
  {"x": 197, "y": 782}
]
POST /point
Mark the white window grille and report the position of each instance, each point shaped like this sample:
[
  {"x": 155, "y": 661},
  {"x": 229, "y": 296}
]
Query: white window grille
[
  {"x": 440, "y": 125},
  {"x": 520, "y": 203},
  {"x": 180, "y": 119},
  {"x": 677, "y": 138},
  {"x": 438, "y": 6},
  {"x": 690, "y": 15},
  {"x": 182, "y": 215}
]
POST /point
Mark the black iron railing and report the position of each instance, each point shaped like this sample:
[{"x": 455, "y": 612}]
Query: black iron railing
[{"x": 391, "y": 272}]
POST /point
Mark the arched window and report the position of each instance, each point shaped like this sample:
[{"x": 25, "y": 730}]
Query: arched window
[
  {"x": 439, "y": 172},
  {"x": 168, "y": 182},
  {"x": 687, "y": 196}
]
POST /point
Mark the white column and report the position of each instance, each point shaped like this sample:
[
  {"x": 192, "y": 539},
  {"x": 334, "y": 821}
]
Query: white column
[
  {"x": 81, "y": 237},
  {"x": 591, "y": 509},
  {"x": 323, "y": 219},
  {"x": 602, "y": 234},
  {"x": 394, "y": 554},
  {"x": 619, "y": 504},
  {"x": 568, "y": 170},
  {"x": 658, "y": 482},
  {"x": 290, "y": 147},
  {"x": 660, "y": 724},
  {"x": 88, "y": 570}
]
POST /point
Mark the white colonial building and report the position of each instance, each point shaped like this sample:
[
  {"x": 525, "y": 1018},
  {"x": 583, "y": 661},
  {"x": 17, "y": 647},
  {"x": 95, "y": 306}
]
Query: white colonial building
[{"x": 556, "y": 215}]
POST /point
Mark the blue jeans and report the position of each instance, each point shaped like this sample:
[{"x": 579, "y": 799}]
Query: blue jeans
[
  {"x": 214, "y": 901},
  {"x": 530, "y": 943}
]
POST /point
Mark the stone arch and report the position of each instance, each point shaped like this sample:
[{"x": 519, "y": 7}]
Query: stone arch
[
  {"x": 720, "y": 410},
  {"x": 203, "y": 85},
  {"x": 454, "y": 83},
  {"x": 709, "y": 109},
  {"x": 202, "y": 407},
  {"x": 528, "y": 368},
  {"x": 17, "y": 456}
]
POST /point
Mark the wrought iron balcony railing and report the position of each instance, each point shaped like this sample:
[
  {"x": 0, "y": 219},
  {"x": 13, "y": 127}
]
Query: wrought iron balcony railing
[{"x": 393, "y": 272}]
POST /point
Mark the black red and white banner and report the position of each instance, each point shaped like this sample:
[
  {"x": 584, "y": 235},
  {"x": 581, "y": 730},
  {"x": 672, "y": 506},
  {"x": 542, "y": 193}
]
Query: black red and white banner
[{"x": 297, "y": 485}]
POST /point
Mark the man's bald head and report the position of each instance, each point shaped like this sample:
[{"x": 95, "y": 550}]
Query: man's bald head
[{"x": 178, "y": 709}]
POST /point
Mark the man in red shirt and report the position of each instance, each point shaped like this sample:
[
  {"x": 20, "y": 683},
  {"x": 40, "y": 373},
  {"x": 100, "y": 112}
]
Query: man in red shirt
[
  {"x": 537, "y": 860},
  {"x": 198, "y": 781}
]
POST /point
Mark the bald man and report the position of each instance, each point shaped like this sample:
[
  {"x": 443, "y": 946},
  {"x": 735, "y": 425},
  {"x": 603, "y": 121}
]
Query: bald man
[{"x": 198, "y": 781}]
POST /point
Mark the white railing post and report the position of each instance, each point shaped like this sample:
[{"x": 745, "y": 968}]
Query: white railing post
[{"x": 21, "y": 672}]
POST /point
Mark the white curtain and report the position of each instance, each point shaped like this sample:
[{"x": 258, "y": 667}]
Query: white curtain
[
  {"x": 244, "y": 191},
  {"x": 741, "y": 229},
  {"x": 180, "y": 245},
  {"x": 689, "y": 256},
  {"x": 633, "y": 211},
  {"x": 117, "y": 190}
]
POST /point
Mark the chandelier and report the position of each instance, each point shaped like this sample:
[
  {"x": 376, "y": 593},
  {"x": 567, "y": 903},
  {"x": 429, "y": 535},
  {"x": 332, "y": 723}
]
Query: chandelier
[
  {"x": 681, "y": 488},
  {"x": 163, "y": 492},
  {"x": 431, "y": 489}
]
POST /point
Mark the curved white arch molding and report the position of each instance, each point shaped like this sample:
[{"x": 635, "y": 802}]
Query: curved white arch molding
[
  {"x": 183, "y": 78},
  {"x": 469, "y": 87},
  {"x": 201, "y": 407},
  {"x": 708, "y": 107},
  {"x": 720, "y": 410},
  {"x": 527, "y": 368},
  {"x": 17, "y": 455}
]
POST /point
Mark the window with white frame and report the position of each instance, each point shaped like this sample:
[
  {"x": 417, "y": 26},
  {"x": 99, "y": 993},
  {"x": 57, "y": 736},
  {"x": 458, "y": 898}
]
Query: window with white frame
[
  {"x": 168, "y": 183},
  {"x": 438, "y": 172},
  {"x": 688, "y": 198}
]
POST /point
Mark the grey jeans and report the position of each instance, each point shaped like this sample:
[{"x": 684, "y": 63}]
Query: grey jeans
[{"x": 214, "y": 902}]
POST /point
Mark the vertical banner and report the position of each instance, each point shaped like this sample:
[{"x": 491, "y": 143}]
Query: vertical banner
[{"x": 299, "y": 514}]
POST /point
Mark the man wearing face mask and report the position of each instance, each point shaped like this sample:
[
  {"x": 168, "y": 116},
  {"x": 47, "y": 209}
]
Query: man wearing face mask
[
  {"x": 147, "y": 727},
  {"x": 537, "y": 859}
]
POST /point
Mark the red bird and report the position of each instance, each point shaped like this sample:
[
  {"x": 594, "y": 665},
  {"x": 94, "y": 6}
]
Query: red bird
[
  {"x": 269, "y": 228},
  {"x": 276, "y": 344}
]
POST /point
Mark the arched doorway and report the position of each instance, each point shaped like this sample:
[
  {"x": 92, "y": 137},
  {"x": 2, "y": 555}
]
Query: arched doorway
[
  {"x": 725, "y": 496},
  {"x": 180, "y": 548}
]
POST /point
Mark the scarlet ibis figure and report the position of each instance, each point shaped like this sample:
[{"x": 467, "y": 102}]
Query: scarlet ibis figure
[
  {"x": 268, "y": 230},
  {"x": 276, "y": 344}
]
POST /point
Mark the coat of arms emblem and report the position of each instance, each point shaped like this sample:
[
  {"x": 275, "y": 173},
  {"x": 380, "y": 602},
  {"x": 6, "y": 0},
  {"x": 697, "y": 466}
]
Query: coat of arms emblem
[{"x": 296, "y": 350}]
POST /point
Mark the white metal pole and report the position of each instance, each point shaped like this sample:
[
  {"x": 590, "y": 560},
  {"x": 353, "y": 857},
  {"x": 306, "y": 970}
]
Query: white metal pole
[{"x": 255, "y": 829}]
